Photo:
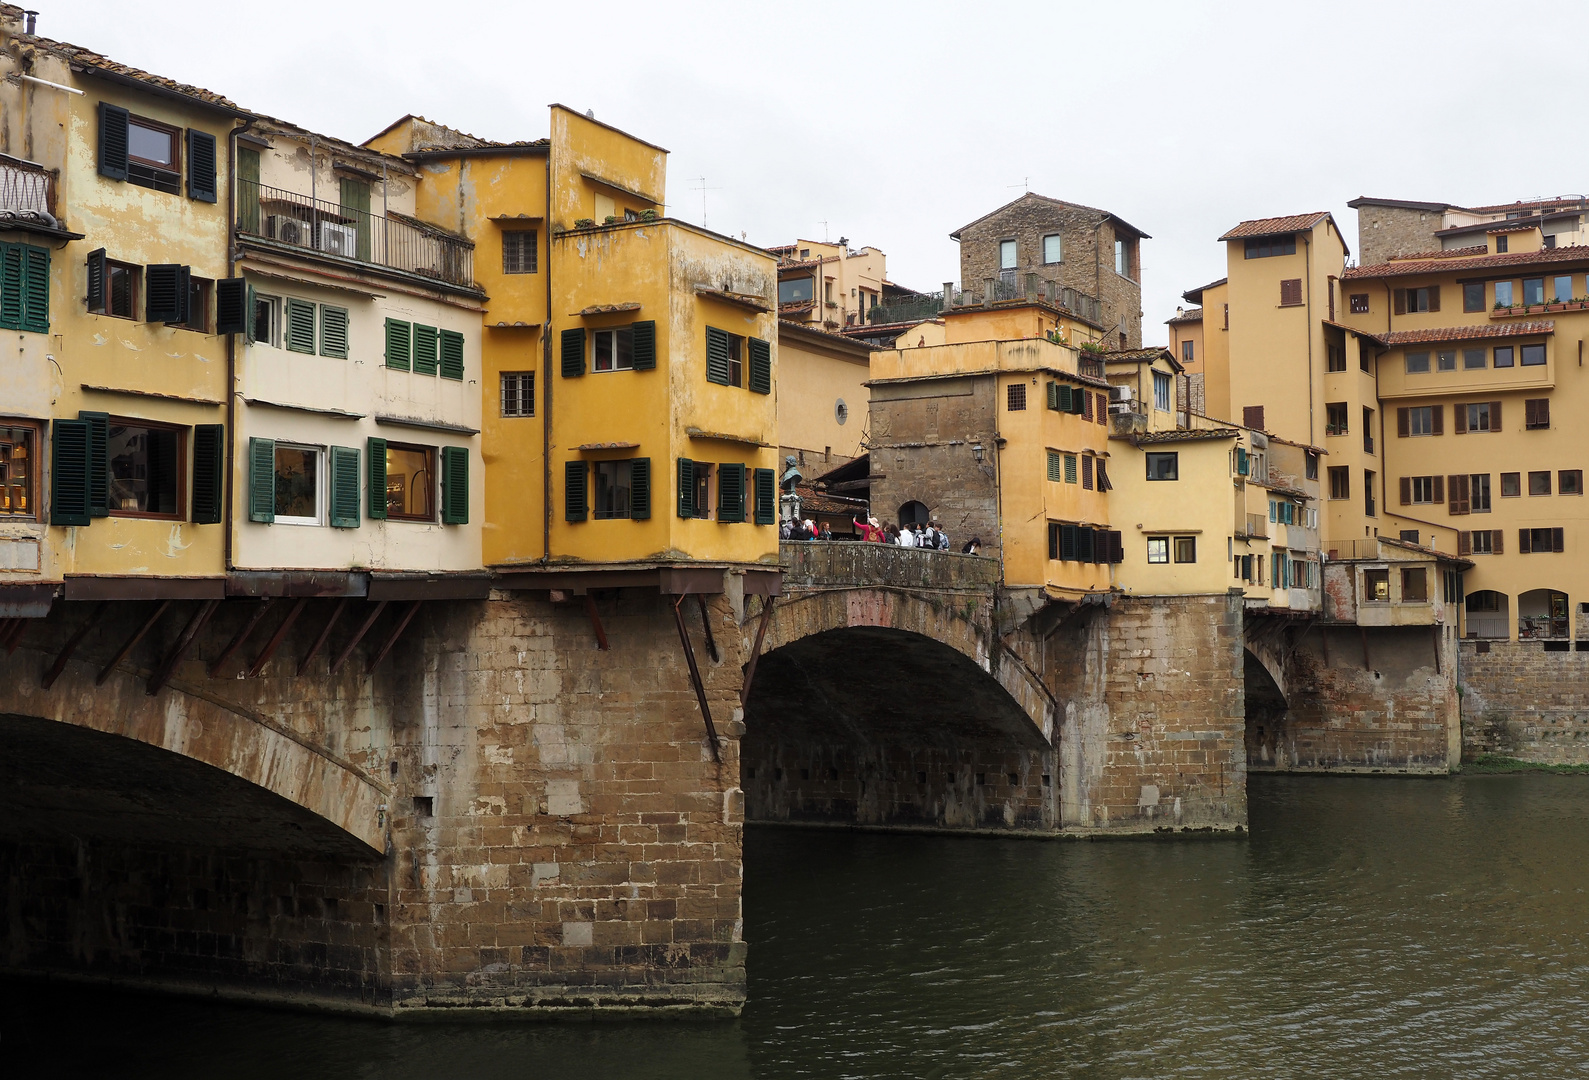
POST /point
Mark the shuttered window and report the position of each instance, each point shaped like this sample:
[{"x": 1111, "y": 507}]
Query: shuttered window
[
  {"x": 375, "y": 454},
  {"x": 98, "y": 462},
  {"x": 345, "y": 482},
  {"x": 398, "y": 336},
  {"x": 717, "y": 350},
  {"x": 731, "y": 492},
  {"x": 262, "y": 480},
  {"x": 333, "y": 331},
  {"x": 1458, "y": 494},
  {"x": 69, "y": 473},
  {"x": 1056, "y": 466},
  {"x": 1070, "y": 468},
  {"x": 113, "y": 127},
  {"x": 1086, "y": 472},
  {"x": 201, "y": 166},
  {"x": 639, "y": 488},
  {"x": 576, "y": 497},
  {"x": 1536, "y": 541},
  {"x": 231, "y": 307},
  {"x": 760, "y": 375},
  {"x": 766, "y": 497},
  {"x": 24, "y": 288},
  {"x": 451, "y": 355},
  {"x": 209, "y": 469},
  {"x": 455, "y": 485},
  {"x": 573, "y": 352},
  {"x": 645, "y": 345},
  {"x": 424, "y": 344},
  {"x": 165, "y": 293},
  {"x": 96, "y": 282},
  {"x": 1291, "y": 292},
  {"x": 1086, "y": 400},
  {"x": 686, "y": 471},
  {"x": 298, "y": 328},
  {"x": 1252, "y": 417},
  {"x": 1536, "y": 414}
]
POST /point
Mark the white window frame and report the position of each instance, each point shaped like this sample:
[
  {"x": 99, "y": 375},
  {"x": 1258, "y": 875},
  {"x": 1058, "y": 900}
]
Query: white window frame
[
  {"x": 1014, "y": 250},
  {"x": 611, "y": 332},
  {"x": 319, "y": 485},
  {"x": 273, "y": 339},
  {"x": 519, "y": 378},
  {"x": 1058, "y": 252},
  {"x": 1163, "y": 391}
]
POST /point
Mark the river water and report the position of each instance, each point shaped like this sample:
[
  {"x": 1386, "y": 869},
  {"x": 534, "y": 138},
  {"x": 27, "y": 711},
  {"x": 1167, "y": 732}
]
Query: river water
[{"x": 1367, "y": 927}]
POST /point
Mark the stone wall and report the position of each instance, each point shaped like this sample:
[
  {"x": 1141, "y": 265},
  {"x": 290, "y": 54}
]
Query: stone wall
[
  {"x": 1523, "y": 702},
  {"x": 1387, "y": 231}
]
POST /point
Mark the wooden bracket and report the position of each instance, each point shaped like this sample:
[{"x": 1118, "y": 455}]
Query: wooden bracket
[
  {"x": 276, "y": 639},
  {"x": 353, "y": 642},
  {"x": 121, "y": 655},
  {"x": 189, "y": 634},
  {"x": 706, "y": 621},
  {"x": 240, "y": 637},
  {"x": 755, "y": 653},
  {"x": 14, "y": 637},
  {"x": 695, "y": 679},
  {"x": 391, "y": 638},
  {"x": 1434, "y": 629},
  {"x": 595, "y": 622},
  {"x": 71, "y": 647},
  {"x": 319, "y": 642}
]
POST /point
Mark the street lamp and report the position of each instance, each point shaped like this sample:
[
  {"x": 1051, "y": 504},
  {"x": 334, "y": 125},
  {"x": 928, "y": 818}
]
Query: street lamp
[{"x": 976, "y": 452}]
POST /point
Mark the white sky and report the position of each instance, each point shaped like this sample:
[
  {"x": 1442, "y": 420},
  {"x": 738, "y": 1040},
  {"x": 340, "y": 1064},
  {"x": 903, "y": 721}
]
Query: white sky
[{"x": 898, "y": 123}]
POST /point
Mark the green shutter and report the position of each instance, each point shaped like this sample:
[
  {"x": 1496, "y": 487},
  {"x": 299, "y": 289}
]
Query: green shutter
[
  {"x": 96, "y": 282},
  {"x": 69, "y": 473},
  {"x": 113, "y": 138},
  {"x": 1053, "y": 396},
  {"x": 334, "y": 331},
  {"x": 424, "y": 349},
  {"x": 249, "y": 300},
  {"x": 574, "y": 352},
  {"x": 645, "y": 345},
  {"x": 201, "y": 166},
  {"x": 356, "y": 204},
  {"x": 452, "y": 355},
  {"x": 231, "y": 306},
  {"x": 209, "y": 468},
  {"x": 298, "y": 325},
  {"x": 98, "y": 463},
  {"x": 345, "y": 480},
  {"x": 1063, "y": 397},
  {"x": 575, "y": 501},
  {"x": 397, "y": 345},
  {"x": 716, "y": 355},
  {"x": 1067, "y": 542},
  {"x": 1241, "y": 462},
  {"x": 640, "y": 488},
  {"x": 731, "y": 492},
  {"x": 262, "y": 480},
  {"x": 376, "y": 450},
  {"x": 1056, "y": 470},
  {"x": 1070, "y": 468},
  {"x": 766, "y": 497},
  {"x": 455, "y": 485},
  {"x": 686, "y": 488},
  {"x": 760, "y": 380},
  {"x": 11, "y": 291},
  {"x": 248, "y": 190}
]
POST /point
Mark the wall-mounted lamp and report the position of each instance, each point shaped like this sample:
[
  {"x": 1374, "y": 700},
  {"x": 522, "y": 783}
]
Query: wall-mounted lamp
[{"x": 976, "y": 452}]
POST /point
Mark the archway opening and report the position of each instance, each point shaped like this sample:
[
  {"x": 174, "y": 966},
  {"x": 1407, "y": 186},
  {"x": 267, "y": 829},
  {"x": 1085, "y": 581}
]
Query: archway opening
[
  {"x": 1489, "y": 615},
  {"x": 1268, "y": 747},
  {"x": 912, "y": 513},
  {"x": 1543, "y": 615}
]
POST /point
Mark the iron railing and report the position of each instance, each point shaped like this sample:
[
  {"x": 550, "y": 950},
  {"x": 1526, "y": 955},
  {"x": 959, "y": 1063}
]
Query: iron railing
[
  {"x": 907, "y": 309},
  {"x": 1542, "y": 626},
  {"x": 1007, "y": 287},
  {"x": 289, "y": 217},
  {"x": 26, "y": 190}
]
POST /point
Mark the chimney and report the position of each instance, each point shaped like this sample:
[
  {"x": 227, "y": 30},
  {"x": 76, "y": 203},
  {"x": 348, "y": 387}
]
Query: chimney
[
  {"x": 948, "y": 295},
  {"x": 33, "y": 21}
]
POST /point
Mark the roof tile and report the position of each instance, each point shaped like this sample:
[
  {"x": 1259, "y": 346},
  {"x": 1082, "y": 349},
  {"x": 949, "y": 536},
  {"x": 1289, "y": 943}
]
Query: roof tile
[
  {"x": 1276, "y": 225},
  {"x": 1409, "y": 268},
  {"x": 1479, "y": 332}
]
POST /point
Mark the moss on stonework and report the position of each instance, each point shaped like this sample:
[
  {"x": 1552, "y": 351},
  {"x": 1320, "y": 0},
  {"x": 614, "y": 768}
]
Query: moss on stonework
[{"x": 1496, "y": 763}]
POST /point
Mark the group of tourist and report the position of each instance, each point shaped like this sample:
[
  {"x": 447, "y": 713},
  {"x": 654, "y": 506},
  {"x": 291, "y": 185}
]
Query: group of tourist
[{"x": 930, "y": 536}]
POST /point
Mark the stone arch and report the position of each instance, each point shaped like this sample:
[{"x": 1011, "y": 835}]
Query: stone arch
[
  {"x": 913, "y": 513},
  {"x": 193, "y": 723}
]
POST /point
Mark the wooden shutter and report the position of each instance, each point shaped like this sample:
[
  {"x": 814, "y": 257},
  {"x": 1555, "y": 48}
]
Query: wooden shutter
[
  {"x": 575, "y": 498},
  {"x": 11, "y": 291},
  {"x": 574, "y": 352},
  {"x": 1103, "y": 409},
  {"x": 716, "y": 355},
  {"x": 1290, "y": 292},
  {"x": 397, "y": 344},
  {"x": 1457, "y": 490},
  {"x": 640, "y": 488},
  {"x": 355, "y": 201},
  {"x": 686, "y": 488},
  {"x": 1530, "y": 411},
  {"x": 35, "y": 289},
  {"x": 1086, "y": 405},
  {"x": 424, "y": 342},
  {"x": 1497, "y": 542},
  {"x": 1406, "y": 490},
  {"x": 375, "y": 450},
  {"x": 1063, "y": 396},
  {"x": 731, "y": 492},
  {"x": 1402, "y": 427},
  {"x": 1067, "y": 542},
  {"x": 1558, "y": 538},
  {"x": 766, "y": 497},
  {"x": 1495, "y": 416},
  {"x": 298, "y": 325},
  {"x": 201, "y": 166},
  {"x": 249, "y": 300},
  {"x": 645, "y": 345},
  {"x": 69, "y": 473},
  {"x": 113, "y": 134},
  {"x": 452, "y": 355},
  {"x": 1434, "y": 298},
  {"x": 759, "y": 378},
  {"x": 231, "y": 306},
  {"x": 345, "y": 480},
  {"x": 333, "y": 331},
  {"x": 262, "y": 480},
  {"x": 98, "y": 462},
  {"x": 1086, "y": 472},
  {"x": 209, "y": 470},
  {"x": 1084, "y": 544},
  {"x": 1459, "y": 419},
  {"x": 247, "y": 170},
  {"x": 1440, "y": 489},
  {"x": 1522, "y": 542},
  {"x": 1464, "y": 543},
  {"x": 162, "y": 288},
  {"x": 1053, "y": 396},
  {"x": 1437, "y": 419},
  {"x": 455, "y": 485},
  {"x": 1070, "y": 468},
  {"x": 1252, "y": 417},
  {"x": 1117, "y": 550},
  {"x": 96, "y": 282},
  {"x": 1399, "y": 299}
]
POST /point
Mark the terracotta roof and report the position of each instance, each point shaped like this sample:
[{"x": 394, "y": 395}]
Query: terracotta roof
[
  {"x": 1137, "y": 356},
  {"x": 93, "y": 62},
  {"x": 1190, "y": 315},
  {"x": 1276, "y": 226},
  {"x": 1444, "y": 253},
  {"x": 1183, "y": 435},
  {"x": 1103, "y": 214},
  {"x": 1407, "y": 268},
  {"x": 843, "y": 341},
  {"x": 1467, "y": 333},
  {"x": 803, "y": 264},
  {"x": 1532, "y": 204},
  {"x": 1195, "y": 296}
]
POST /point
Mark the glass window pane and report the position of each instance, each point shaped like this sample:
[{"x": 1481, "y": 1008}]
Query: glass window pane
[
  {"x": 1473, "y": 296},
  {"x": 1503, "y": 294},
  {"x": 1533, "y": 290},
  {"x": 1503, "y": 356},
  {"x": 1417, "y": 362},
  {"x": 1007, "y": 255},
  {"x": 17, "y": 455},
  {"x": 1563, "y": 290},
  {"x": 1473, "y": 359},
  {"x": 297, "y": 480},
  {"x": 150, "y": 144},
  {"x": 141, "y": 464},
  {"x": 612, "y": 489},
  {"x": 1051, "y": 249},
  {"x": 1446, "y": 360},
  {"x": 410, "y": 483},
  {"x": 1533, "y": 355}
]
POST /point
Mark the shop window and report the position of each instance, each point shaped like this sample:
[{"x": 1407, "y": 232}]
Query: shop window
[{"x": 18, "y": 470}]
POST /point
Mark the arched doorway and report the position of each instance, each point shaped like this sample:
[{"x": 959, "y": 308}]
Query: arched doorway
[
  {"x": 1488, "y": 615},
  {"x": 1543, "y": 614},
  {"x": 912, "y": 513}
]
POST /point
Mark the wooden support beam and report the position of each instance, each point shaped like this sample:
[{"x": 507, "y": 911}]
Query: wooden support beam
[
  {"x": 347, "y": 650},
  {"x": 595, "y": 622},
  {"x": 1434, "y": 629},
  {"x": 121, "y": 655},
  {"x": 392, "y": 636},
  {"x": 184, "y": 643},
  {"x": 319, "y": 642},
  {"x": 71, "y": 647},
  {"x": 706, "y": 621},
  {"x": 276, "y": 639},
  {"x": 241, "y": 636},
  {"x": 14, "y": 638},
  {"x": 755, "y": 653},
  {"x": 1324, "y": 637},
  {"x": 695, "y": 679}
]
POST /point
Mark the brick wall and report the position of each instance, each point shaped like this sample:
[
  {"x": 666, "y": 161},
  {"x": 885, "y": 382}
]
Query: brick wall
[{"x": 1520, "y": 701}]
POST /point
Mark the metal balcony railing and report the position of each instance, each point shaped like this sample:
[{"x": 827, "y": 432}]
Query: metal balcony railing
[
  {"x": 289, "y": 217},
  {"x": 1011, "y": 287},
  {"x": 1089, "y": 365},
  {"x": 26, "y": 191}
]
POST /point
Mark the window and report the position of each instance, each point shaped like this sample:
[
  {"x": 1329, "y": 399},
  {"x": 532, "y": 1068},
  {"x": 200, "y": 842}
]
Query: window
[
  {"x": 1340, "y": 482},
  {"x": 1473, "y": 296},
  {"x": 1291, "y": 292},
  {"x": 1122, "y": 258},
  {"x": 1548, "y": 241},
  {"x": 120, "y": 296},
  {"x": 1500, "y": 245},
  {"x": 1051, "y": 248},
  {"x": 1187, "y": 352},
  {"x": 614, "y": 351},
  {"x": 1479, "y": 493},
  {"x": 1479, "y": 543},
  {"x": 1311, "y": 467},
  {"x": 1483, "y": 416},
  {"x": 1410, "y": 535},
  {"x": 24, "y": 288},
  {"x": 1421, "y": 488},
  {"x": 519, "y": 253},
  {"x": 266, "y": 329},
  {"x": 1417, "y": 300},
  {"x": 1158, "y": 549},
  {"x": 1414, "y": 585},
  {"x": 1569, "y": 482},
  {"x": 1358, "y": 303},
  {"x": 1503, "y": 356},
  {"x": 1164, "y": 466},
  {"x": 1420, "y": 420},
  {"x": 1503, "y": 289},
  {"x": 198, "y": 313},
  {"x": 1056, "y": 466},
  {"x": 1536, "y": 414},
  {"x": 794, "y": 291},
  {"x": 1474, "y": 360},
  {"x": 1417, "y": 363},
  {"x": 410, "y": 482},
  {"x": 518, "y": 393},
  {"x": 1070, "y": 468},
  {"x": 1186, "y": 549},
  {"x": 1086, "y": 471},
  {"x": 1540, "y": 540},
  {"x": 298, "y": 484},
  {"x": 1365, "y": 357},
  {"x": 1532, "y": 355},
  {"x": 1446, "y": 360},
  {"x": 1015, "y": 397},
  {"x": 1368, "y": 492},
  {"x": 1533, "y": 290},
  {"x": 152, "y": 155},
  {"x": 1376, "y": 586},
  {"x": 612, "y": 489},
  {"x": 18, "y": 472},
  {"x": 1368, "y": 430},
  {"x": 1162, "y": 392},
  {"x": 1335, "y": 421},
  {"x": 1511, "y": 485},
  {"x": 1335, "y": 358},
  {"x": 724, "y": 357},
  {"x": 1266, "y": 246},
  {"x": 1561, "y": 287},
  {"x": 1539, "y": 482},
  {"x": 703, "y": 489},
  {"x": 1007, "y": 255},
  {"x": 144, "y": 470}
]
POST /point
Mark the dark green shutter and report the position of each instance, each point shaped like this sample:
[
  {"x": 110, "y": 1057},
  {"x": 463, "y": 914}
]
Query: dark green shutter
[
  {"x": 1053, "y": 396},
  {"x": 248, "y": 190},
  {"x": 645, "y": 345},
  {"x": 452, "y": 355},
  {"x": 574, "y": 497},
  {"x": 760, "y": 381},
  {"x": 209, "y": 467},
  {"x": 1078, "y": 400},
  {"x": 96, "y": 282},
  {"x": 356, "y": 204},
  {"x": 345, "y": 480},
  {"x": 11, "y": 291},
  {"x": 98, "y": 463},
  {"x": 424, "y": 349},
  {"x": 574, "y": 352},
  {"x": 376, "y": 449},
  {"x": 112, "y": 141},
  {"x": 334, "y": 332},
  {"x": 686, "y": 488},
  {"x": 201, "y": 166},
  {"x": 249, "y": 301},
  {"x": 640, "y": 488},
  {"x": 1067, "y": 541},
  {"x": 35, "y": 289},
  {"x": 397, "y": 344},
  {"x": 766, "y": 497},
  {"x": 162, "y": 291},
  {"x": 231, "y": 306},
  {"x": 455, "y": 485},
  {"x": 69, "y": 473},
  {"x": 262, "y": 480},
  {"x": 716, "y": 355},
  {"x": 731, "y": 492},
  {"x": 298, "y": 325}
]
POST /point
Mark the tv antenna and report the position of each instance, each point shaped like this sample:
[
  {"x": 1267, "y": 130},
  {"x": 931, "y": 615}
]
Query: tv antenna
[
  {"x": 1025, "y": 184},
  {"x": 700, "y": 185}
]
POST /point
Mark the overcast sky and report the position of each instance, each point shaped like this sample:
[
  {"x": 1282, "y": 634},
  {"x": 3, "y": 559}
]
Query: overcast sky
[{"x": 896, "y": 124}]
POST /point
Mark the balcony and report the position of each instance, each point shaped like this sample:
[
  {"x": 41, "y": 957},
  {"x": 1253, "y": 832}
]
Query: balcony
[
  {"x": 1257, "y": 527},
  {"x": 398, "y": 243},
  {"x": 27, "y": 198},
  {"x": 1009, "y": 286}
]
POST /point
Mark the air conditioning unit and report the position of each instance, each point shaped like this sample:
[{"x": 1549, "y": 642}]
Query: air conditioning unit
[
  {"x": 289, "y": 230},
  {"x": 1121, "y": 407},
  {"x": 339, "y": 239},
  {"x": 1120, "y": 393}
]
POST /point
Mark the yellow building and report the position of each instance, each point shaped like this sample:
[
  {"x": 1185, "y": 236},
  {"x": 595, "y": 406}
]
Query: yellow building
[
  {"x": 829, "y": 286},
  {"x": 821, "y": 396}
]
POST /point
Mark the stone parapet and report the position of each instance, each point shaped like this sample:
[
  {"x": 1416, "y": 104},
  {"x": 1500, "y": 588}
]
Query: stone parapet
[{"x": 1520, "y": 701}]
